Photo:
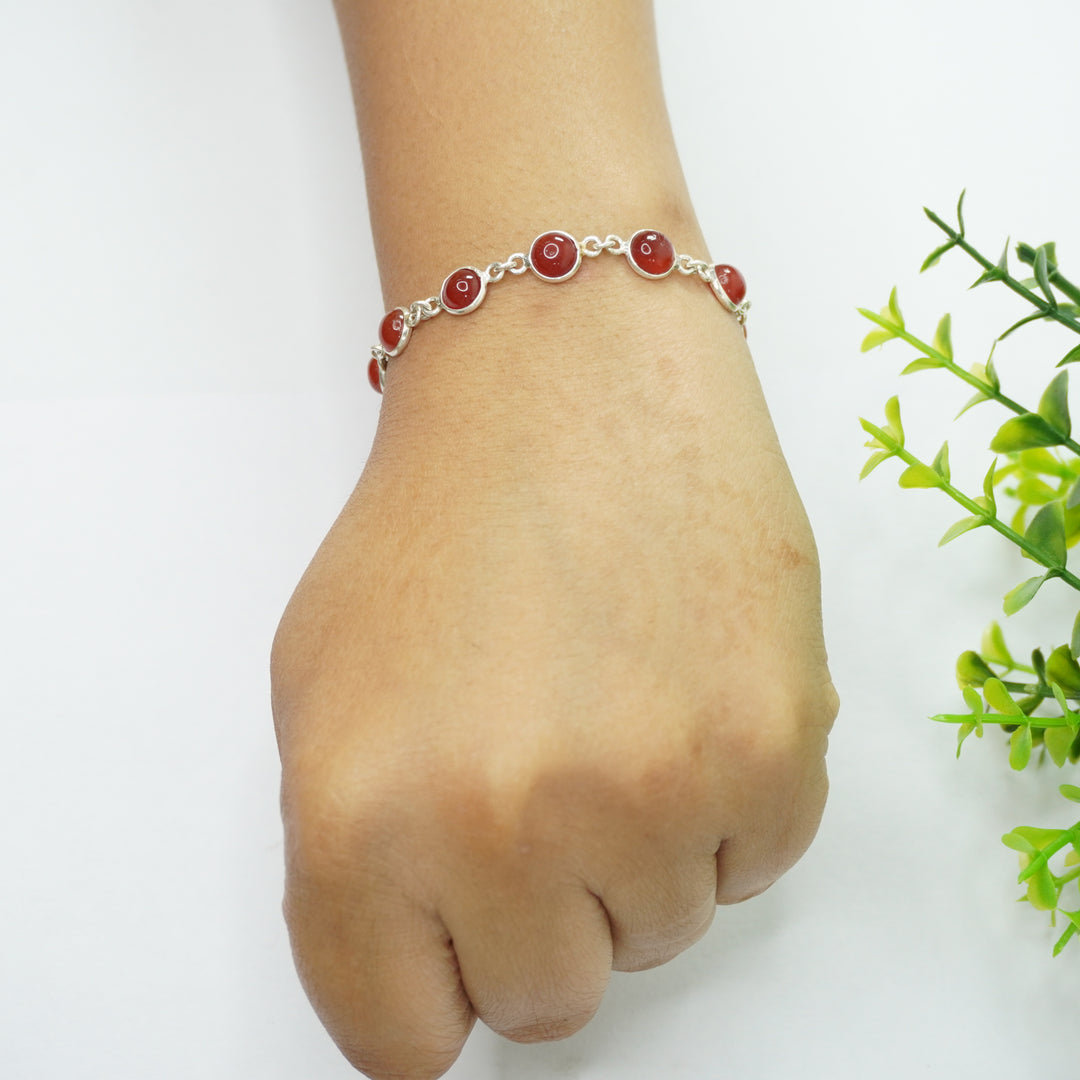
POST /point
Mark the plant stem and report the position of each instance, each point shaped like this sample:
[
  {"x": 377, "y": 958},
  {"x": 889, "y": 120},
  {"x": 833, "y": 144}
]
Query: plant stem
[
  {"x": 1033, "y": 689},
  {"x": 958, "y": 371},
  {"x": 973, "y": 508},
  {"x": 1027, "y": 256},
  {"x": 1004, "y": 719},
  {"x": 1048, "y": 852},
  {"x": 1072, "y": 875},
  {"x": 1051, "y": 311}
]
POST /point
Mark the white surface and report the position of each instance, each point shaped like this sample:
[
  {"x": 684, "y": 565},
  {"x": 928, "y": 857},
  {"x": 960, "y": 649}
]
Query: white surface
[{"x": 186, "y": 292}]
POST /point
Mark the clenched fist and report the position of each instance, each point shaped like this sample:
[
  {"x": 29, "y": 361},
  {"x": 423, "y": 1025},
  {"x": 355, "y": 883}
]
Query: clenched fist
[{"x": 554, "y": 685}]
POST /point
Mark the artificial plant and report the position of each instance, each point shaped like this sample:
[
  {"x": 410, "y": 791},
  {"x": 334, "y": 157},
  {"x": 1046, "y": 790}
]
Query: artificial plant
[{"x": 1031, "y": 497}]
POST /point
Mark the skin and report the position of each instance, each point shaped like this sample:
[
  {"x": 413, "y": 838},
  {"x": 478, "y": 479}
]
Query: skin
[{"x": 554, "y": 685}]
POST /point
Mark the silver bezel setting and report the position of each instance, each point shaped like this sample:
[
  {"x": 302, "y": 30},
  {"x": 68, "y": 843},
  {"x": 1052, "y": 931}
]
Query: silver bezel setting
[
  {"x": 644, "y": 273},
  {"x": 577, "y": 261},
  {"x": 738, "y": 310},
  {"x": 406, "y": 332},
  {"x": 379, "y": 355},
  {"x": 479, "y": 296},
  {"x": 718, "y": 290}
]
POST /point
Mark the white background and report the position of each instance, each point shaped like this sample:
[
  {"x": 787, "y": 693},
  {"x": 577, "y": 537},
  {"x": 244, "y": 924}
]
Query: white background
[{"x": 187, "y": 290}]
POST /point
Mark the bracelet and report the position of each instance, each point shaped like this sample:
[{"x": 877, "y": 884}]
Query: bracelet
[{"x": 554, "y": 256}]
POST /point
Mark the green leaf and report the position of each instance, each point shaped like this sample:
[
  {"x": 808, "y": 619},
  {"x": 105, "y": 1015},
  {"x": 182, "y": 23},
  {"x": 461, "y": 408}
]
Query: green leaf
[
  {"x": 1074, "y": 642},
  {"x": 892, "y": 415},
  {"x": 940, "y": 464},
  {"x": 1057, "y": 741},
  {"x": 973, "y": 701},
  {"x": 993, "y": 647},
  {"x": 1042, "y": 893},
  {"x": 1019, "y": 843},
  {"x": 943, "y": 336},
  {"x": 1022, "y": 595},
  {"x": 919, "y": 476},
  {"x": 924, "y": 363},
  {"x": 976, "y": 399},
  {"x": 988, "y": 487},
  {"x": 876, "y": 338},
  {"x": 1070, "y": 932},
  {"x": 1041, "y": 838},
  {"x": 1064, "y": 670},
  {"x": 873, "y": 462},
  {"x": 1042, "y": 275},
  {"x": 1046, "y": 534},
  {"x": 894, "y": 309},
  {"x": 1020, "y": 747},
  {"x": 997, "y": 697},
  {"x": 1073, "y": 498},
  {"x": 1070, "y": 357},
  {"x": 935, "y": 255},
  {"x": 965, "y": 730},
  {"x": 1035, "y": 492},
  {"x": 1059, "y": 696},
  {"x": 1070, "y": 791},
  {"x": 1072, "y": 719},
  {"x": 991, "y": 371},
  {"x": 1054, "y": 404},
  {"x": 995, "y": 273},
  {"x": 980, "y": 373},
  {"x": 960, "y": 527},
  {"x": 883, "y": 438},
  {"x": 972, "y": 670},
  {"x": 960, "y": 212},
  {"x": 1043, "y": 461},
  {"x": 1038, "y": 662},
  {"x": 1023, "y": 432}
]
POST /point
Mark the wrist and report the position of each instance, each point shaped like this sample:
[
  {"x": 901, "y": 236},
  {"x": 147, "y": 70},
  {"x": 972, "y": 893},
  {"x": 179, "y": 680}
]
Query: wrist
[{"x": 541, "y": 372}]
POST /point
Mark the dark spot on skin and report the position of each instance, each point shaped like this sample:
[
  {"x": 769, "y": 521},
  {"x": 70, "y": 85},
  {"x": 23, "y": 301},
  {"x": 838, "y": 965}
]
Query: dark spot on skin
[{"x": 789, "y": 557}]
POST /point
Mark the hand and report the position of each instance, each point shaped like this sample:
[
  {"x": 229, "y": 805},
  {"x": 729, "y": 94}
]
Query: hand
[{"x": 554, "y": 685}]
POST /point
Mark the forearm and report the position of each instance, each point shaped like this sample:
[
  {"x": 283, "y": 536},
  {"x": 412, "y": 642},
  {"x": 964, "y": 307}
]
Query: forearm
[{"x": 484, "y": 123}]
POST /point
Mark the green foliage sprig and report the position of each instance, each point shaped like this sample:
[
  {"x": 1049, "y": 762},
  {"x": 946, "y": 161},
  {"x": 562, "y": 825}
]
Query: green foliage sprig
[{"x": 1038, "y": 477}]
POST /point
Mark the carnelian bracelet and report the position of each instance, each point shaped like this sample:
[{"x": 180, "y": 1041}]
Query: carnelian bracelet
[{"x": 553, "y": 256}]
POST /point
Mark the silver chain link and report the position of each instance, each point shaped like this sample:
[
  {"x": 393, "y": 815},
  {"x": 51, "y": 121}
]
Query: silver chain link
[
  {"x": 422, "y": 310},
  {"x": 517, "y": 263},
  {"x": 687, "y": 264}
]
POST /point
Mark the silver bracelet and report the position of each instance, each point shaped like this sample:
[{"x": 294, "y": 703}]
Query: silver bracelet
[{"x": 553, "y": 256}]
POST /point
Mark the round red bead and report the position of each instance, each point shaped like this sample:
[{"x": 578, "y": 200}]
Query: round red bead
[
  {"x": 732, "y": 282},
  {"x": 651, "y": 253},
  {"x": 462, "y": 290},
  {"x": 373, "y": 374},
  {"x": 393, "y": 330},
  {"x": 554, "y": 256}
]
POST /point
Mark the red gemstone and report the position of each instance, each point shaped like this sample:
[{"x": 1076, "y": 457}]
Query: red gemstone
[
  {"x": 393, "y": 331},
  {"x": 373, "y": 374},
  {"x": 732, "y": 282},
  {"x": 554, "y": 256},
  {"x": 462, "y": 290},
  {"x": 651, "y": 253}
]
